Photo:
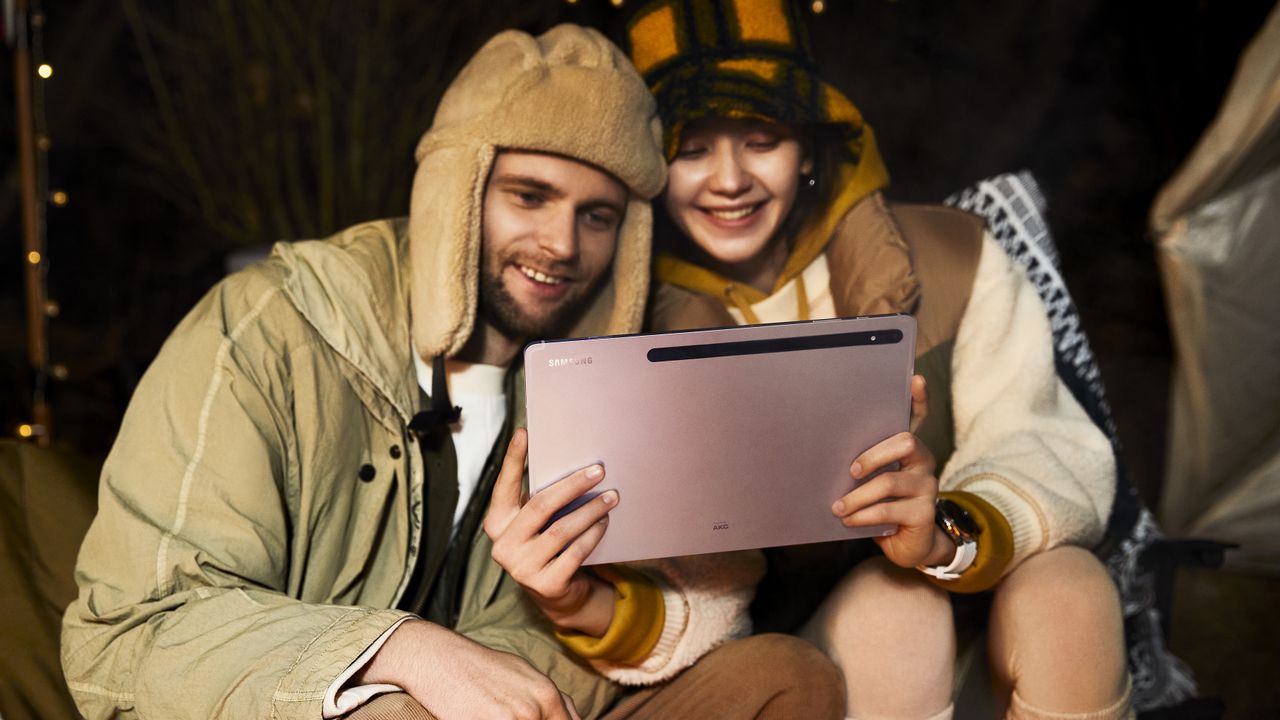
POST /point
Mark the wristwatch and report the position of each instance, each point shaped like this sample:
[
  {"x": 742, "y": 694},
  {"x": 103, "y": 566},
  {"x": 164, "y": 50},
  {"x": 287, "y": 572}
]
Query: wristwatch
[{"x": 963, "y": 531}]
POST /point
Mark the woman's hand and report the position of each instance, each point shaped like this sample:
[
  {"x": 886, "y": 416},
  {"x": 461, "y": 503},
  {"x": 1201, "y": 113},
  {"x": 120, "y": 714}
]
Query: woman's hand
[
  {"x": 548, "y": 563},
  {"x": 904, "y": 496}
]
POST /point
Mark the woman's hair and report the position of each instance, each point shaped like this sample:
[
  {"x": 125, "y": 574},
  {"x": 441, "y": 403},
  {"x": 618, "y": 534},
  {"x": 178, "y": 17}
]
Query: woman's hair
[{"x": 825, "y": 145}]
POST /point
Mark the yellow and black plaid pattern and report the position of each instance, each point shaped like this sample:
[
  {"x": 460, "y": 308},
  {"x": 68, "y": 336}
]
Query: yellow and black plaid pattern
[{"x": 735, "y": 58}]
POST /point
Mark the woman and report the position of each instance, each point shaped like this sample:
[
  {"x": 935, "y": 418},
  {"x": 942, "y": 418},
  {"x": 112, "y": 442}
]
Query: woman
[{"x": 773, "y": 212}]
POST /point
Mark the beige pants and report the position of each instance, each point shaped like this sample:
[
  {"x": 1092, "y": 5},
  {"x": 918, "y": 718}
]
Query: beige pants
[
  {"x": 1055, "y": 640},
  {"x": 765, "y": 676}
]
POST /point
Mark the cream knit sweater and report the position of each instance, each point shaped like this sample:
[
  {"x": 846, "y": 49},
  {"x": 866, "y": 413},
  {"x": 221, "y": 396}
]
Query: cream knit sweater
[{"x": 1022, "y": 441}]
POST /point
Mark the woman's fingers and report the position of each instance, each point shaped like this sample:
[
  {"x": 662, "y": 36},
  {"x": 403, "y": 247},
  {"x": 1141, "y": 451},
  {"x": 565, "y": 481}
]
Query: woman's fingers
[
  {"x": 914, "y": 512},
  {"x": 919, "y": 402},
  {"x": 886, "y": 486},
  {"x": 903, "y": 448}
]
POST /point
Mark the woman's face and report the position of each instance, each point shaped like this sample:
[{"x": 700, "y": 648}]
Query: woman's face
[{"x": 732, "y": 184}]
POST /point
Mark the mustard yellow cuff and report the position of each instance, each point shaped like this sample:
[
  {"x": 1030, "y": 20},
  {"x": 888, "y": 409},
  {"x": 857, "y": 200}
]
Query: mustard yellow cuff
[
  {"x": 638, "y": 616},
  {"x": 995, "y": 545}
]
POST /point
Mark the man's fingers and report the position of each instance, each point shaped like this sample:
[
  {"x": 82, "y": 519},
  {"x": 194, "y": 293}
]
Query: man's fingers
[
  {"x": 505, "y": 500},
  {"x": 562, "y": 569},
  {"x": 919, "y": 402},
  {"x": 541, "y": 506},
  {"x": 563, "y": 532},
  {"x": 903, "y": 448},
  {"x": 551, "y": 701}
]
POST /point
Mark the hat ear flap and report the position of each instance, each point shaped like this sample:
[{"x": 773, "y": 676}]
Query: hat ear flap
[
  {"x": 446, "y": 210},
  {"x": 618, "y": 308}
]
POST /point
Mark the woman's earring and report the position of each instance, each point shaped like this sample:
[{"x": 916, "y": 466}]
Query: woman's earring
[{"x": 812, "y": 181}]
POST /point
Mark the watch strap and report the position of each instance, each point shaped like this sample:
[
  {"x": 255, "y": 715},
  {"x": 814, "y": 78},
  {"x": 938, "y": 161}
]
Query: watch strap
[{"x": 966, "y": 553}]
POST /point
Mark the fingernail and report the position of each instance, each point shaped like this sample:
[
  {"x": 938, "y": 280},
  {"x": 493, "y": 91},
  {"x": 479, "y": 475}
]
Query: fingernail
[
  {"x": 838, "y": 508},
  {"x": 610, "y": 497},
  {"x": 856, "y": 470},
  {"x": 595, "y": 472}
]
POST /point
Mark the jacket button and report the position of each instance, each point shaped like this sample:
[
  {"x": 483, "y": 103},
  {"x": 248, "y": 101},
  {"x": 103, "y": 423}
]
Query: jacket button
[
  {"x": 367, "y": 472},
  {"x": 395, "y": 452}
]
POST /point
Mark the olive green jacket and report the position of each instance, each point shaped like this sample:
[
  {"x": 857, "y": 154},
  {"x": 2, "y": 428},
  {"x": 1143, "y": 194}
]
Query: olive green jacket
[{"x": 261, "y": 510}]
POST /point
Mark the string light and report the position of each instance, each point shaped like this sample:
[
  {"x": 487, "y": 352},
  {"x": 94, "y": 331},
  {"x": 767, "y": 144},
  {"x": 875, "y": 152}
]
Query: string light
[
  {"x": 818, "y": 6},
  {"x": 59, "y": 198},
  {"x": 35, "y": 181},
  {"x": 616, "y": 3},
  {"x": 29, "y": 430}
]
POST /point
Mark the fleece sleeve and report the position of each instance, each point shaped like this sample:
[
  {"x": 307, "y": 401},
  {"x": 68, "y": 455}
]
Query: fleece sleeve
[
  {"x": 183, "y": 611},
  {"x": 1029, "y": 464}
]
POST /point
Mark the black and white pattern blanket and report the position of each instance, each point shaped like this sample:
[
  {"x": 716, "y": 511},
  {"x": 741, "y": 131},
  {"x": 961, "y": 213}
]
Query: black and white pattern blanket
[{"x": 1013, "y": 208}]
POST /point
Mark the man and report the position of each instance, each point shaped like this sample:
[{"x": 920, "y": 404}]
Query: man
[{"x": 290, "y": 519}]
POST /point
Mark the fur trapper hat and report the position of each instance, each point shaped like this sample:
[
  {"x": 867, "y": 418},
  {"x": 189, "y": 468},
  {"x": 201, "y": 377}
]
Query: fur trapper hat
[{"x": 570, "y": 92}]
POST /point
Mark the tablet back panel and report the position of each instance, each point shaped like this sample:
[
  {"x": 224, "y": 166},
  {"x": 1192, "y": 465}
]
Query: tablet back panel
[{"x": 720, "y": 439}]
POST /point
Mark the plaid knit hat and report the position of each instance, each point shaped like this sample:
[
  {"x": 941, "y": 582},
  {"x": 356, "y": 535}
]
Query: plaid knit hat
[
  {"x": 751, "y": 59},
  {"x": 737, "y": 58}
]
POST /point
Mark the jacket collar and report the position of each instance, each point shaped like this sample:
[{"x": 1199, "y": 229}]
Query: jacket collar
[{"x": 353, "y": 289}]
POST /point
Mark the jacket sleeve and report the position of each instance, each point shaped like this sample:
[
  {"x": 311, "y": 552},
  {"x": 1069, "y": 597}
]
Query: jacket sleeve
[
  {"x": 505, "y": 619},
  {"x": 182, "y": 611},
  {"x": 1029, "y": 464},
  {"x": 670, "y": 613}
]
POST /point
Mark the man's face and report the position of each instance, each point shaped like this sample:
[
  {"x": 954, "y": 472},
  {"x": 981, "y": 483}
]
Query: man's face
[{"x": 549, "y": 231}]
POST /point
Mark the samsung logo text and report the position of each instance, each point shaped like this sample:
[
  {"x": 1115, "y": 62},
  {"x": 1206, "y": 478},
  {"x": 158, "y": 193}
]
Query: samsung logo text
[{"x": 561, "y": 362}]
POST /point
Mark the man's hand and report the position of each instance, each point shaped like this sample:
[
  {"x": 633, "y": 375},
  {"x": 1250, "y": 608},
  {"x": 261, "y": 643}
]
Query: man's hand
[
  {"x": 904, "y": 497},
  {"x": 548, "y": 563},
  {"x": 455, "y": 677}
]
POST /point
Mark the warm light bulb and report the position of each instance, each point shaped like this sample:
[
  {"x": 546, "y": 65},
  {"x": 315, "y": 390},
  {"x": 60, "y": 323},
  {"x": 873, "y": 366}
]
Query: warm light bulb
[
  {"x": 45, "y": 71},
  {"x": 819, "y": 6},
  {"x": 59, "y": 198},
  {"x": 25, "y": 431},
  {"x": 33, "y": 257}
]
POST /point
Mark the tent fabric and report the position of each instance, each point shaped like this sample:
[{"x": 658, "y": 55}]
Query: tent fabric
[{"x": 1217, "y": 228}]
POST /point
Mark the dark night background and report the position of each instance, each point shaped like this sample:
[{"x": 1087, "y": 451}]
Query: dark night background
[{"x": 184, "y": 131}]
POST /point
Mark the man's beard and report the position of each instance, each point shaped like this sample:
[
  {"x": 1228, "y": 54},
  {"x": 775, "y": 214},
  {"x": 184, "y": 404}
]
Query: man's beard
[{"x": 499, "y": 310}]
